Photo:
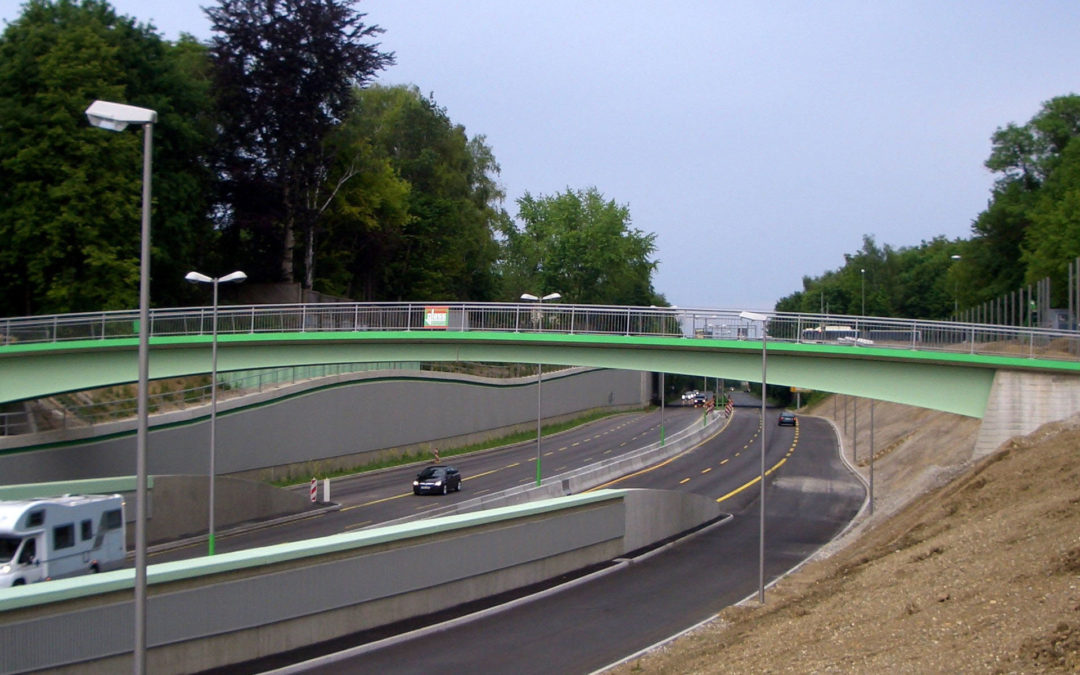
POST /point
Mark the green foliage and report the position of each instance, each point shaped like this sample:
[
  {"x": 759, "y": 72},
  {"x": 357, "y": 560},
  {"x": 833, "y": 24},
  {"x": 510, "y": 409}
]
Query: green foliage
[
  {"x": 1030, "y": 228},
  {"x": 915, "y": 282},
  {"x": 580, "y": 245},
  {"x": 426, "y": 229},
  {"x": 70, "y": 210}
]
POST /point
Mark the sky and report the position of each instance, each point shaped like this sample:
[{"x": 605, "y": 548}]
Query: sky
[{"x": 759, "y": 141}]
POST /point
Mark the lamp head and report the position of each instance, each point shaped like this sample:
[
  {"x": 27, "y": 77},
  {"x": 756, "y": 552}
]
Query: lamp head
[
  {"x": 117, "y": 116},
  {"x": 196, "y": 278}
]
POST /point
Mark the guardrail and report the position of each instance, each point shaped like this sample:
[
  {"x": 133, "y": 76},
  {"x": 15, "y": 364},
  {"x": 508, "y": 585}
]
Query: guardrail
[{"x": 909, "y": 334}]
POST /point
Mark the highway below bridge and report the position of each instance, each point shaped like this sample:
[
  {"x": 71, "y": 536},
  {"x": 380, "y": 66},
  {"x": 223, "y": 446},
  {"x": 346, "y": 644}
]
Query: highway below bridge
[
  {"x": 590, "y": 622},
  {"x": 375, "y": 498}
]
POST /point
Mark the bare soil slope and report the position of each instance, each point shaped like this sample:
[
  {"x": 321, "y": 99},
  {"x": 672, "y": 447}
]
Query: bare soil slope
[{"x": 963, "y": 568}]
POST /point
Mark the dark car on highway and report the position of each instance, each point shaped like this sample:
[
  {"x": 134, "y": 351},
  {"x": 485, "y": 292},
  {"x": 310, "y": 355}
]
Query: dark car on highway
[
  {"x": 437, "y": 479},
  {"x": 787, "y": 419}
]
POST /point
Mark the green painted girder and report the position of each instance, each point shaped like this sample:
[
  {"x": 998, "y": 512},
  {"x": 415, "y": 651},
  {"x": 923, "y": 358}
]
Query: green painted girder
[{"x": 951, "y": 382}]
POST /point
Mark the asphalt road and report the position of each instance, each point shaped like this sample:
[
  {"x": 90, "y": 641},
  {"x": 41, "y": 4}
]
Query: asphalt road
[
  {"x": 382, "y": 496},
  {"x": 810, "y": 497}
]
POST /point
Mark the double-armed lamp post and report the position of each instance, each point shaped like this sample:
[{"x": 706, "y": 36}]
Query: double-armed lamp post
[
  {"x": 197, "y": 278},
  {"x": 539, "y": 374}
]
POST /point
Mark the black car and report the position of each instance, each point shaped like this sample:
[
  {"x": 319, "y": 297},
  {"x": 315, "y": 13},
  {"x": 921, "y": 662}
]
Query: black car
[
  {"x": 787, "y": 419},
  {"x": 437, "y": 479}
]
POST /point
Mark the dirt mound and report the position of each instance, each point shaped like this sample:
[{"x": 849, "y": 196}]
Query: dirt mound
[{"x": 981, "y": 573}]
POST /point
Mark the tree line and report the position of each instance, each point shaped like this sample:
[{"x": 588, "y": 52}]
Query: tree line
[
  {"x": 1029, "y": 230},
  {"x": 275, "y": 153}
]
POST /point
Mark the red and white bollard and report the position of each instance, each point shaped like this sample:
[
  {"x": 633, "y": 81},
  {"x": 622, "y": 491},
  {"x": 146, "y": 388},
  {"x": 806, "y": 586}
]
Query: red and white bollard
[{"x": 314, "y": 489}]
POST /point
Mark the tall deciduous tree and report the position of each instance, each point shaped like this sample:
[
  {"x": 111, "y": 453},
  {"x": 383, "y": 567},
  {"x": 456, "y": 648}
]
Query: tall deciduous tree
[
  {"x": 71, "y": 197},
  {"x": 444, "y": 247},
  {"x": 285, "y": 71},
  {"x": 581, "y": 245}
]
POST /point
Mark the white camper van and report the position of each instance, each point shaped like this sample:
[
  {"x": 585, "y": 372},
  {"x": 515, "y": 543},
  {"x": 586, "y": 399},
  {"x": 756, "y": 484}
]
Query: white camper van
[{"x": 57, "y": 537}]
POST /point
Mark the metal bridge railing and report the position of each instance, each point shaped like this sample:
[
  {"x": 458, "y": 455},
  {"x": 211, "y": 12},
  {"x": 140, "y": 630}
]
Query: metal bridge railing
[{"x": 911, "y": 334}]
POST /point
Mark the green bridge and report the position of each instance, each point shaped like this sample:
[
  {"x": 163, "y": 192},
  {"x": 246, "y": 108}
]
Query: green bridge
[{"x": 943, "y": 366}]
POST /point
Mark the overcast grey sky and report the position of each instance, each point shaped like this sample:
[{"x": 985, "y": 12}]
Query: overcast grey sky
[{"x": 759, "y": 140}]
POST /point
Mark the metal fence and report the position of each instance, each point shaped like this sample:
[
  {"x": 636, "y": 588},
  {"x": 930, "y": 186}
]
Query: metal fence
[{"x": 945, "y": 336}]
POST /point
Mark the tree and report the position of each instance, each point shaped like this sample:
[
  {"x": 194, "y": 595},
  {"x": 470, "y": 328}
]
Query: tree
[
  {"x": 285, "y": 73},
  {"x": 1023, "y": 235},
  {"x": 363, "y": 227},
  {"x": 581, "y": 245},
  {"x": 70, "y": 209},
  {"x": 913, "y": 282},
  {"x": 445, "y": 245}
]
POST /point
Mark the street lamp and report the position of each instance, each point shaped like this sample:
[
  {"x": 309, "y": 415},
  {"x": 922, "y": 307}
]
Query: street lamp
[
  {"x": 754, "y": 316},
  {"x": 862, "y": 273},
  {"x": 116, "y": 117},
  {"x": 539, "y": 376},
  {"x": 197, "y": 278},
  {"x": 956, "y": 289}
]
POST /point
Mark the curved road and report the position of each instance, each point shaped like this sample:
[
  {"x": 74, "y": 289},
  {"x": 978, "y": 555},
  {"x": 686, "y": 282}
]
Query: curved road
[
  {"x": 810, "y": 497},
  {"x": 382, "y": 496}
]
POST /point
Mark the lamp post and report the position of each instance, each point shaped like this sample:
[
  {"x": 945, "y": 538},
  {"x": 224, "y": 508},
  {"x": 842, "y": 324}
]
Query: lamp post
[
  {"x": 754, "y": 316},
  {"x": 197, "y": 278},
  {"x": 539, "y": 376},
  {"x": 662, "y": 391},
  {"x": 862, "y": 277},
  {"x": 663, "y": 395},
  {"x": 116, "y": 117},
  {"x": 955, "y": 289}
]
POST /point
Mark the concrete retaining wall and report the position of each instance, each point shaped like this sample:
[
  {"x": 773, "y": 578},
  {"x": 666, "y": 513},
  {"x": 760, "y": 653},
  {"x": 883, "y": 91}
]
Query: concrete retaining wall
[
  {"x": 210, "y": 612},
  {"x": 1021, "y": 402},
  {"x": 335, "y": 422}
]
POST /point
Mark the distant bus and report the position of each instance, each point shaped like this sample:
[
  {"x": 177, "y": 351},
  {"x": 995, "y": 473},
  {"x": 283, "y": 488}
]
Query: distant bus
[
  {"x": 830, "y": 334},
  {"x": 848, "y": 335}
]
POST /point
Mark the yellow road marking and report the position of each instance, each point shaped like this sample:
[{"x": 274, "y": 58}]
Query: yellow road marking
[
  {"x": 753, "y": 482},
  {"x": 758, "y": 479},
  {"x": 667, "y": 461},
  {"x": 376, "y": 501}
]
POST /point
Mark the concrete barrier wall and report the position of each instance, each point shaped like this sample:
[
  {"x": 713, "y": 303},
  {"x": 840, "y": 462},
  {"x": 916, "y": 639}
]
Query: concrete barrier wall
[
  {"x": 210, "y": 612},
  {"x": 336, "y": 421},
  {"x": 179, "y": 505}
]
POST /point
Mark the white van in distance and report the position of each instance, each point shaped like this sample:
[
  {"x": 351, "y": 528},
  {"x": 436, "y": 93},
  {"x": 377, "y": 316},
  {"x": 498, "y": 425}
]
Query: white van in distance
[{"x": 56, "y": 537}]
